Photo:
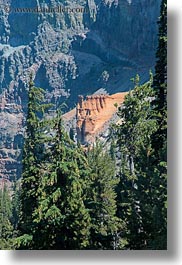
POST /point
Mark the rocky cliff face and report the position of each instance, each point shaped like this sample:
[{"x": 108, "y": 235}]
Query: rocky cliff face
[
  {"x": 70, "y": 53},
  {"x": 94, "y": 113},
  {"x": 11, "y": 139}
]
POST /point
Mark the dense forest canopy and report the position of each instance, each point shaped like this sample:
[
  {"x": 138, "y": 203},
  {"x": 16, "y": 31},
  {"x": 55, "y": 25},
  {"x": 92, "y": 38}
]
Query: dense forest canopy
[{"x": 101, "y": 197}]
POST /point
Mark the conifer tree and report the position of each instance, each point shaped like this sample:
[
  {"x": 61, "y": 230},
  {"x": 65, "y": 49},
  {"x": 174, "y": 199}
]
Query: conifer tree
[
  {"x": 6, "y": 228},
  {"x": 33, "y": 154},
  {"x": 136, "y": 195},
  {"x": 159, "y": 138},
  {"x": 15, "y": 201},
  {"x": 160, "y": 85},
  {"x": 101, "y": 200},
  {"x": 61, "y": 210},
  {"x": 15, "y": 206}
]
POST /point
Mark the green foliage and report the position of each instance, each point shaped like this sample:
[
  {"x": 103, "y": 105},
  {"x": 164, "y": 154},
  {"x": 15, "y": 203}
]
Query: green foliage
[
  {"x": 6, "y": 228},
  {"x": 76, "y": 199},
  {"x": 142, "y": 141},
  {"x": 15, "y": 205},
  {"x": 33, "y": 153},
  {"x": 135, "y": 147},
  {"x": 61, "y": 207},
  {"x": 160, "y": 84},
  {"x": 101, "y": 202},
  {"x": 141, "y": 191},
  {"x": 57, "y": 217},
  {"x": 159, "y": 138},
  {"x": 137, "y": 123},
  {"x": 24, "y": 240},
  {"x": 73, "y": 198}
]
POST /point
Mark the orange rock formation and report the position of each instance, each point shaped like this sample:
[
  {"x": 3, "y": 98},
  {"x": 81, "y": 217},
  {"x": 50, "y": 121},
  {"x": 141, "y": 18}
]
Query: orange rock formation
[{"x": 93, "y": 113}]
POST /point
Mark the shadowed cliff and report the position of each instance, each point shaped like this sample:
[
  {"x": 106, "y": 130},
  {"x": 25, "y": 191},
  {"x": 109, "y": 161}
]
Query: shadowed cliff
[{"x": 69, "y": 53}]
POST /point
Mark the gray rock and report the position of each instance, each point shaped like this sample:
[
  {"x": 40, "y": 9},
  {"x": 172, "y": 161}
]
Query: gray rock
[{"x": 68, "y": 52}]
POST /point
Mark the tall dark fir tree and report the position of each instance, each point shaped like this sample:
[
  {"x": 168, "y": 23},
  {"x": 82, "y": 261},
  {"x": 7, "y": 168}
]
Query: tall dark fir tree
[
  {"x": 160, "y": 83},
  {"x": 33, "y": 153},
  {"x": 159, "y": 138}
]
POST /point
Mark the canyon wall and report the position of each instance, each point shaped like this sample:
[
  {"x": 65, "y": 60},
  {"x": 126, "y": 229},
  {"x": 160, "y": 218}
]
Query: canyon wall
[{"x": 69, "y": 53}]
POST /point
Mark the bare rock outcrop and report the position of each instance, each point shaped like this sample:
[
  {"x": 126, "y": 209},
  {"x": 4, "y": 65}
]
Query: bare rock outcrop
[{"x": 93, "y": 113}]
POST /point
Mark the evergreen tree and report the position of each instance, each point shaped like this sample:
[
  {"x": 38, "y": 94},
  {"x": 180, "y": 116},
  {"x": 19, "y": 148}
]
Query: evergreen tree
[
  {"x": 6, "y": 228},
  {"x": 33, "y": 154},
  {"x": 159, "y": 138},
  {"x": 160, "y": 85},
  {"x": 15, "y": 205},
  {"x": 61, "y": 211},
  {"x": 136, "y": 190},
  {"x": 101, "y": 200}
]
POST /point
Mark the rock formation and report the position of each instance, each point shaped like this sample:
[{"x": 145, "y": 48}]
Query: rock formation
[
  {"x": 93, "y": 113},
  {"x": 11, "y": 139},
  {"x": 69, "y": 53}
]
